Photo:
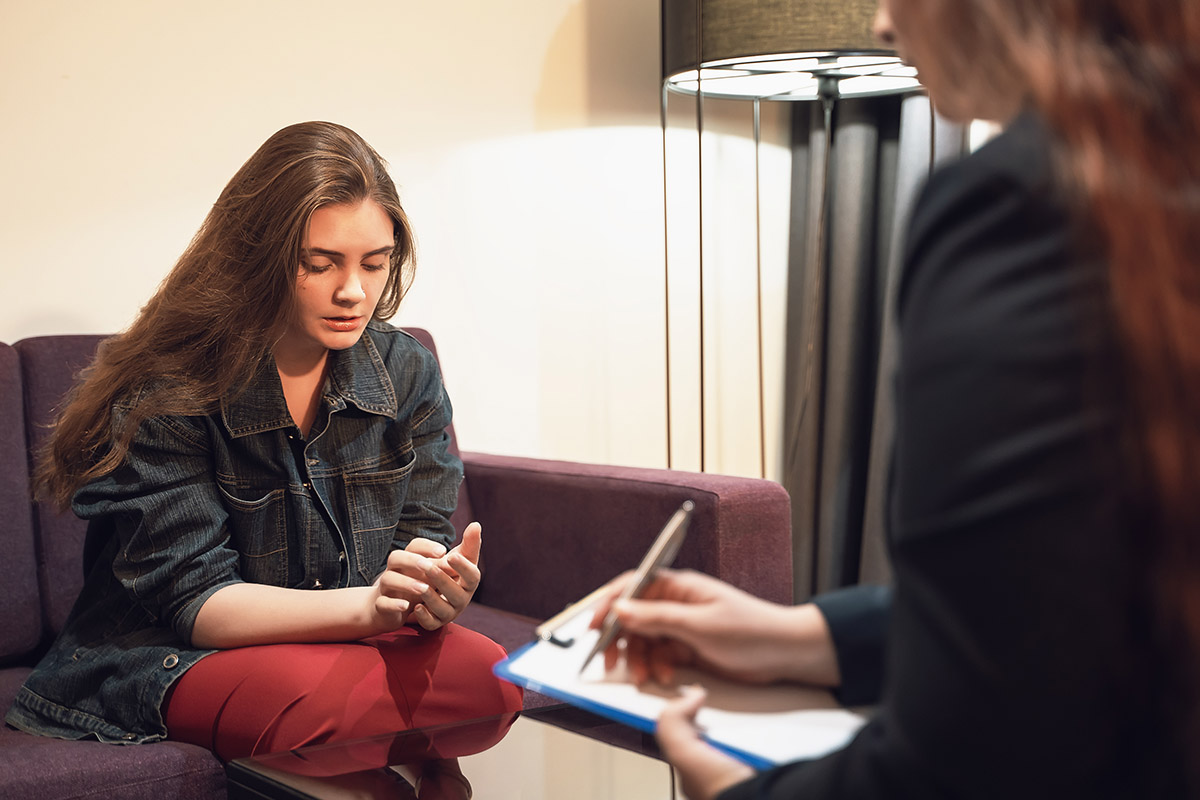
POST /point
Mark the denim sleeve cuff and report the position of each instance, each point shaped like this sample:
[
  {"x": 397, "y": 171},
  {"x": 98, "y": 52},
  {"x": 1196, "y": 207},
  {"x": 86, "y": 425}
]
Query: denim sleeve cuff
[
  {"x": 185, "y": 619},
  {"x": 857, "y": 617}
]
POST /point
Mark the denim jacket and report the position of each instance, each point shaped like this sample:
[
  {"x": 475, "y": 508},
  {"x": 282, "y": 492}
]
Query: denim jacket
[{"x": 203, "y": 502}]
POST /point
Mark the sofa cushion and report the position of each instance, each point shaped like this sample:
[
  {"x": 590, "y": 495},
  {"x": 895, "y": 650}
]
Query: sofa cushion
[
  {"x": 510, "y": 631},
  {"x": 11, "y": 680},
  {"x": 21, "y": 622},
  {"x": 56, "y": 769}
]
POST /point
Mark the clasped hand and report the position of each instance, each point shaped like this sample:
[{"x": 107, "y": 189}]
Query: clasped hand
[{"x": 428, "y": 585}]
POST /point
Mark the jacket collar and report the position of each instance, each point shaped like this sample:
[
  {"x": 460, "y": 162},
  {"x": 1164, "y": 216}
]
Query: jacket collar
[{"x": 356, "y": 376}]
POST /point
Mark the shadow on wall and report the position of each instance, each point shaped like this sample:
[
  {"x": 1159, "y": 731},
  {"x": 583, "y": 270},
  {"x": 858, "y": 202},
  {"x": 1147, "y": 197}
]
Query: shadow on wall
[{"x": 602, "y": 66}]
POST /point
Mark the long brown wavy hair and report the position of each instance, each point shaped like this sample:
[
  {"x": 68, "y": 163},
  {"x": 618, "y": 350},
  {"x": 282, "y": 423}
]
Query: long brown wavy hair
[
  {"x": 1118, "y": 82},
  {"x": 228, "y": 299}
]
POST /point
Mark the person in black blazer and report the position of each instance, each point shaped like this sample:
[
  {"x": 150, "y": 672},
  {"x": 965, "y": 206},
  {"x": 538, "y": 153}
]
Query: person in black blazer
[{"x": 1039, "y": 638}]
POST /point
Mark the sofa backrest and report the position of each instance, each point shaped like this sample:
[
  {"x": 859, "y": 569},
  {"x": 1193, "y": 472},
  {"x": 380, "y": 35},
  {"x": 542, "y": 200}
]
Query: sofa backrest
[
  {"x": 49, "y": 366},
  {"x": 21, "y": 623}
]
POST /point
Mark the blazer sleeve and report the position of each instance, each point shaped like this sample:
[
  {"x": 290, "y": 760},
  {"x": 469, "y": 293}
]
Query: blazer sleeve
[
  {"x": 1010, "y": 637},
  {"x": 857, "y": 617}
]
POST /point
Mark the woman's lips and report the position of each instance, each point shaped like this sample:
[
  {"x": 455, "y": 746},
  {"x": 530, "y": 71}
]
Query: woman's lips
[{"x": 342, "y": 324}]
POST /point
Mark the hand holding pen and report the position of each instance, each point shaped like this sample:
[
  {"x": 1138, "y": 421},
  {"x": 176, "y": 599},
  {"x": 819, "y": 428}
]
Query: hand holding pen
[
  {"x": 688, "y": 619},
  {"x": 661, "y": 554}
]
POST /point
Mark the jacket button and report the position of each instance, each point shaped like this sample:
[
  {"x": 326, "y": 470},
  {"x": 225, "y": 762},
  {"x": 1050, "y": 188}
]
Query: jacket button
[
  {"x": 342, "y": 557},
  {"x": 171, "y": 661},
  {"x": 129, "y": 737}
]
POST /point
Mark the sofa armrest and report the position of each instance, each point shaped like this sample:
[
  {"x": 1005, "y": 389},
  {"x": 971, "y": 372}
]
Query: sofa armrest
[{"x": 555, "y": 530}]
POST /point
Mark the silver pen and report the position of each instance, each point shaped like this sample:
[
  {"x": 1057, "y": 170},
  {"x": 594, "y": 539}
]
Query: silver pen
[{"x": 660, "y": 555}]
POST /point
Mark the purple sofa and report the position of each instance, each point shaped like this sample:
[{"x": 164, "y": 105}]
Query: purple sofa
[{"x": 552, "y": 532}]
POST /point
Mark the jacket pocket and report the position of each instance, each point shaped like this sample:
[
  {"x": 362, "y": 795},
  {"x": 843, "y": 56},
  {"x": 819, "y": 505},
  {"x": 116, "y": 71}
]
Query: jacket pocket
[
  {"x": 258, "y": 531},
  {"x": 375, "y": 500}
]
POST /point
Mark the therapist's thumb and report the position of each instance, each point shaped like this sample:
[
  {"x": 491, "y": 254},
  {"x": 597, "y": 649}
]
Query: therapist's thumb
[{"x": 676, "y": 726}]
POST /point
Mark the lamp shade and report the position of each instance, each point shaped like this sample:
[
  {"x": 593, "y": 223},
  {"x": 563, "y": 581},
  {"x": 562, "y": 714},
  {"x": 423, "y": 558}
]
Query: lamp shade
[{"x": 777, "y": 49}]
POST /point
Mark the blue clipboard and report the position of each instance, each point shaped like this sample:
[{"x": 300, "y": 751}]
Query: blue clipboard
[{"x": 762, "y": 726}]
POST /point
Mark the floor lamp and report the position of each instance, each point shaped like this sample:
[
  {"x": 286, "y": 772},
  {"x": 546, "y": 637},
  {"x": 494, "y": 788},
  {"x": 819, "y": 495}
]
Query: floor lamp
[{"x": 777, "y": 50}]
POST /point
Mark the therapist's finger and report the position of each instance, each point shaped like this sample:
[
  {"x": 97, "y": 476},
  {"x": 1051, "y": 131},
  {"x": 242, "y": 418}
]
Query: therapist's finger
[
  {"x": 704, "y": 771},
  {"x": 665, "y": 618},
  {"x": 676, "y": 731},
  {"x": 613, "y": 654},
  {"x": 665, "y": 656},
  {"x": 635, "y": 659}
]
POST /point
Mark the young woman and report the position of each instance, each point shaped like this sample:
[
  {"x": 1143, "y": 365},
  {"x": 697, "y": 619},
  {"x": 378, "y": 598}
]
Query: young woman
[
  {"x": 264, "y": 467},
  {"x": 1046, "y": 495}
]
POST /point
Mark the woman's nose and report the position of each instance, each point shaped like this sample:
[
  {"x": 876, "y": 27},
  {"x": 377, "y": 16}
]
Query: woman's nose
[
  {"x": 351, "y": 290},
  {"x": 882, "y": 28}
]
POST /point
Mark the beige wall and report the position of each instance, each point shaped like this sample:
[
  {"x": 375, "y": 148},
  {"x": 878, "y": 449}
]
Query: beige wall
[{"x": 524, "y": 137}]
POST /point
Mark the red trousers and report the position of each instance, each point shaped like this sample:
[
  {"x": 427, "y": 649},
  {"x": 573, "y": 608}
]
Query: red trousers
[{"x": 269, "y": 698}]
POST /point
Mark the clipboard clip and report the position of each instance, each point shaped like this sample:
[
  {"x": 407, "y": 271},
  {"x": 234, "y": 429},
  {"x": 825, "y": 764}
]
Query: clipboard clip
[{"x": 548, "y": 630}]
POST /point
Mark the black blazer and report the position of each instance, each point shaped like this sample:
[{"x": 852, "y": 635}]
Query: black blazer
[{"x": 1018, "y": 663}]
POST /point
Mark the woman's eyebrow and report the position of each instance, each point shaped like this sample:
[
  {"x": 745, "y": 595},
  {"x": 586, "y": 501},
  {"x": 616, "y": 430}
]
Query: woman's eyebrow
[{"x": 321, "y": 251}]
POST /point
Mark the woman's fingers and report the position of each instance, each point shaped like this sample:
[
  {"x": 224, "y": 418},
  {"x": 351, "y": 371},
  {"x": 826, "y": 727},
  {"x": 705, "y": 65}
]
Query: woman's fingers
[
  {"x": 435, "y": 584},
  {"x": 391, "y": 606},
  {"x": 472, "y": 542},
  {"x": 450, "y": 582},
  {"x": 403, "y": 582},
  {"x": 426, "y": 547}
]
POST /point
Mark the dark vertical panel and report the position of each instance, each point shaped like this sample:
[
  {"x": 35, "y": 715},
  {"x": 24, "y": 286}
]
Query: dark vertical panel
[{"x": 838, "y": 393}]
